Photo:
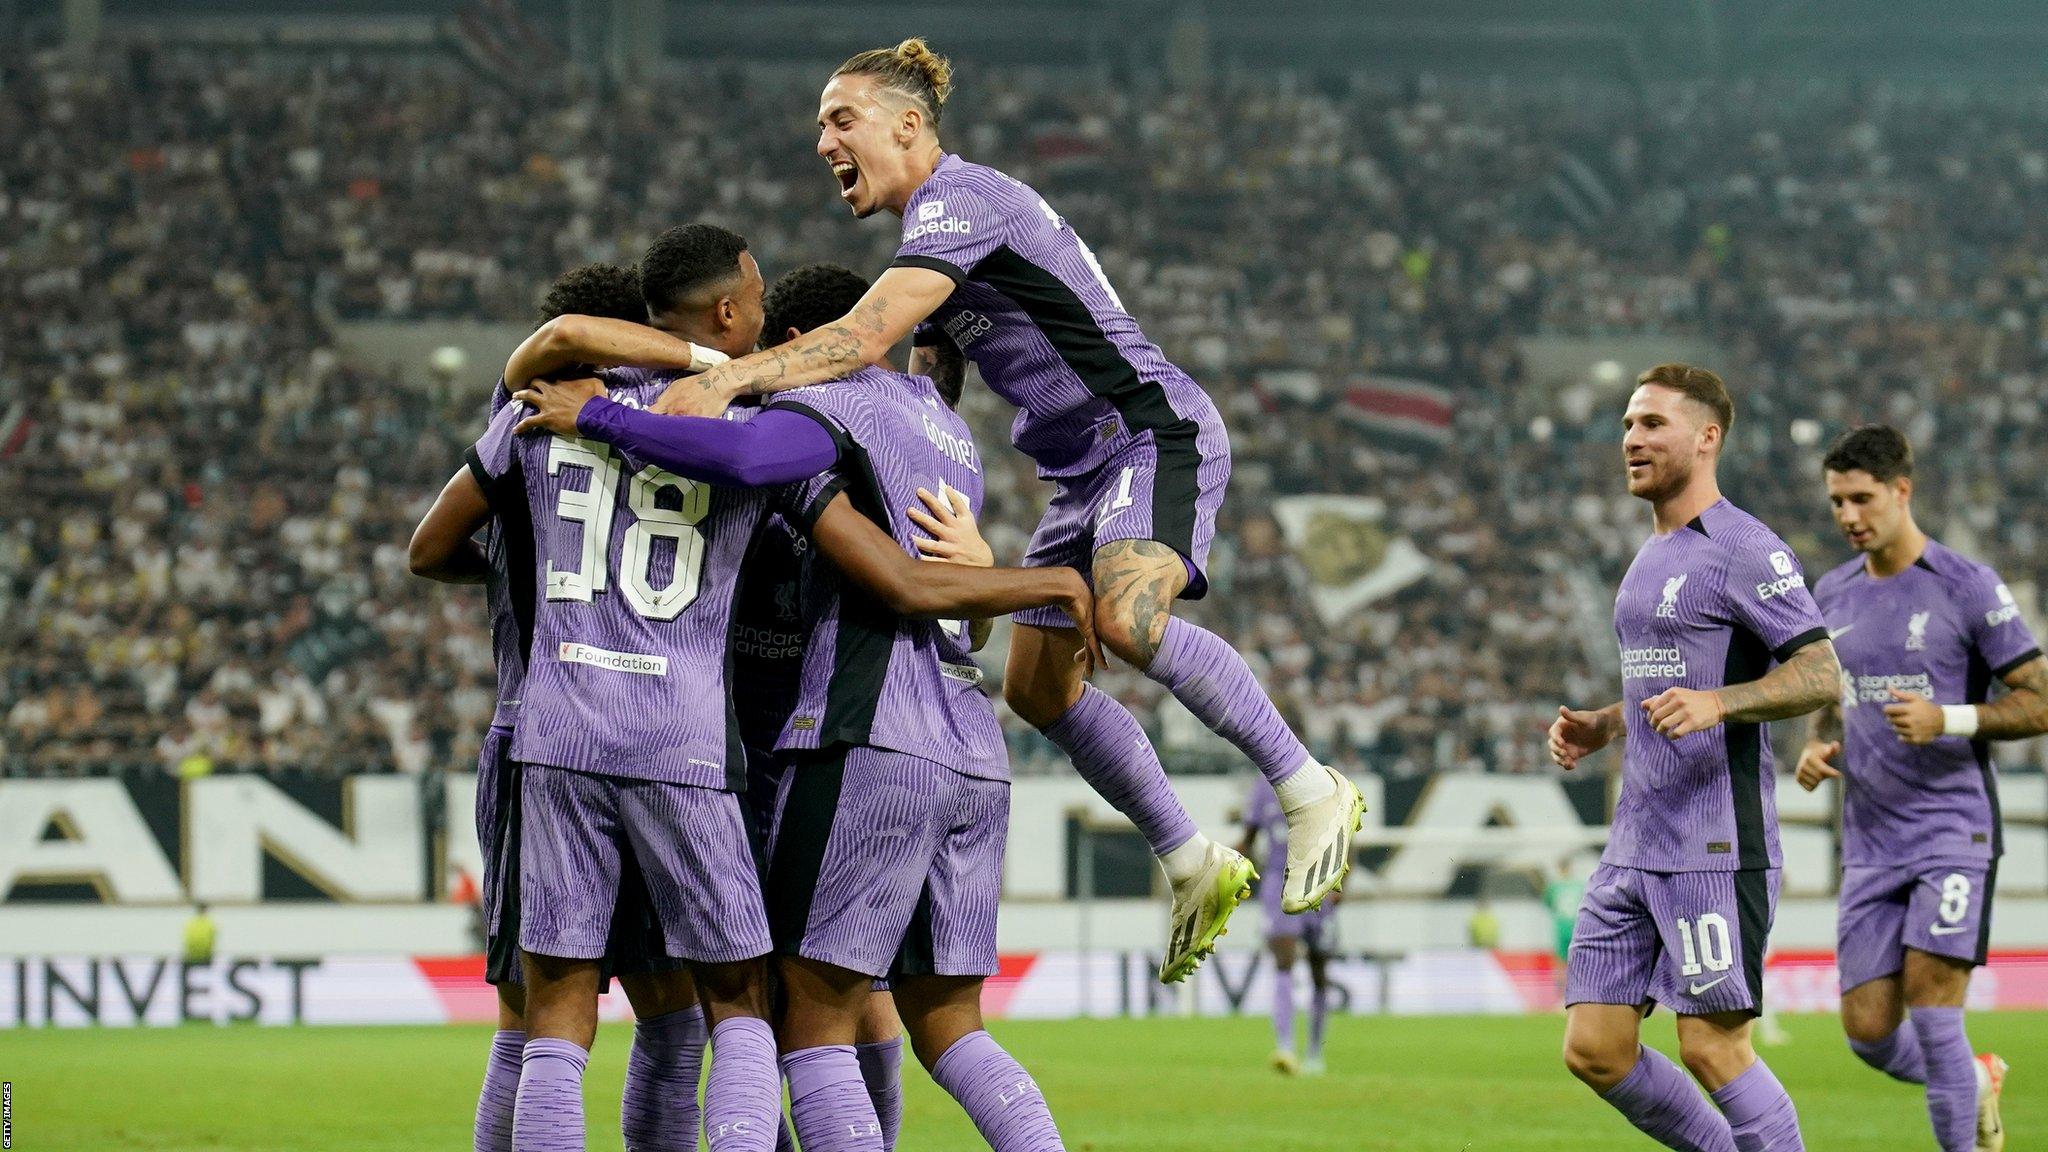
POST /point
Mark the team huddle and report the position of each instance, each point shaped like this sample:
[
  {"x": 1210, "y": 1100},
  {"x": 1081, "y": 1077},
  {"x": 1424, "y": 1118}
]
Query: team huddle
[{"x": 743, "y": 761}]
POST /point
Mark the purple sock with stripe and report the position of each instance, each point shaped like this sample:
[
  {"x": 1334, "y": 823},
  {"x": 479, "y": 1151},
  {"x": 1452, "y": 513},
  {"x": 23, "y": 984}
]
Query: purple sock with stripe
[
  {"x": 1206, "y": 674},
  {"x": 658, "y": 1111},
  {"x": 1283, "y": 1009},
  {"x": 1111, "y": 752},
  {"x": 1951, "y": 1076},
  {"x": 743, "y": 1096},
  {"x": 549, "y": 1114},
  {"x": 1897, "y": 1056},
  {"x": 1659, "y": 1098},
  {"x": 828, "y": 1100},
  {"x": 881, "y": 1068},
  {"x": 500, "y": 1092},
  {"x": 1759, "y": 1112},
  {"x": 999, "y": 1096}
]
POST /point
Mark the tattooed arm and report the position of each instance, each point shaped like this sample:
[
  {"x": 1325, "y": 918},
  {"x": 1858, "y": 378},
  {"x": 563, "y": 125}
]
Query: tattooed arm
[
  {"x": 897, "y": 302},
  {"x": 1810, "y": 679},
  {"x": 2022, "y": 712}
]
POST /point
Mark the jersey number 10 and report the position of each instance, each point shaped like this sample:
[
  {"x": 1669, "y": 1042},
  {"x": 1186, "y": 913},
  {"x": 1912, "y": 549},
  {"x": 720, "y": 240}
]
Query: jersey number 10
[{"x": 592, "y": 508}]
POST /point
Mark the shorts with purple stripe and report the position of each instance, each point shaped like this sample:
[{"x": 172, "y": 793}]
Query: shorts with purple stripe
[
  {"x": 584, "y": 839},
  {"x": 1166, "y": 485},
  {"x": 888, "y": 864},
  {"x": 1691, "y": 941},
  {"x": 1932, "y": 907}
]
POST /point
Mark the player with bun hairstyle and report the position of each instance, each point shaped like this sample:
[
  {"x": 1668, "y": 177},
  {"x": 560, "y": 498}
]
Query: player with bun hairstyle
[{"x": 1137, "y": 451}]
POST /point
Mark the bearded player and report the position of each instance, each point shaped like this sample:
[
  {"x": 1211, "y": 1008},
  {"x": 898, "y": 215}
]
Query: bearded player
[
  {"x": 1136, "y": 449},
  {"x": 1922, "y": 632},
  {"x": 1680, "y": 909}
]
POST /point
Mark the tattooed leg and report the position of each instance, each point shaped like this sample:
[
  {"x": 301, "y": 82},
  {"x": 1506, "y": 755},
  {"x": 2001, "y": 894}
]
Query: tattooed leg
[{"x": 1135, "y": 585}]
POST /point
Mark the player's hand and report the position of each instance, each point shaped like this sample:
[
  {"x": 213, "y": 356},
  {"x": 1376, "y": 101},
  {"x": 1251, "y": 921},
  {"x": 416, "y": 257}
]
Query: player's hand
[
  {"x": 556, "y": 403},
  {"x": 952, "y": 534},
  {"x": 1914, "y": 717},
  {"x": 1677, "y": 712},
  {"x": 1813, "y": 763},
  {"x": 705, "y": 394},
  {"x": 1079, "y": 605},
  {"x": 1575, "y": 735}
]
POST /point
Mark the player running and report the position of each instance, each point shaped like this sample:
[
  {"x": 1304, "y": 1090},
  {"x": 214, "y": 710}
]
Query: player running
[
  {"x": 1137, "y": 451},
  {"x": 1922, "y": 632},
  {"x": 1286, "y": 935},
  {"x": 659, "y": 1107},
  {"x": 889, "y": 839},
  {"x": 1680, "y": 909}
]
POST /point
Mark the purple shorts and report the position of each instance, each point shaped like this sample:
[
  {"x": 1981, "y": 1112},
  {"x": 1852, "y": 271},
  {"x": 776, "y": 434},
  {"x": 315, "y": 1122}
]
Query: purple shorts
[
  {"x": 1691, "y": 941},
  {"x": 586, "y": 841},
  {"x": 1316, "y": 928},
  {"x": 1163, "y": 485},
  {"x": 1939, "y": 909},
  {"x": 888, "y": 864}
]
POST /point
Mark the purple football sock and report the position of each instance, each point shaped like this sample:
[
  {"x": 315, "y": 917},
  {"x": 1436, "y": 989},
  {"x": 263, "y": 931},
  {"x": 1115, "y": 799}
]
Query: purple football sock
[
  {"x": 743, "y": 1097},
  {"x": 1897, "y": 1055},
  {"x": 500, "y": 1092},
  {"x": 1205, "y": 673},
  {"x": 999, "y": 1096},
  {"x": 1659, "y": 1098},
  {"x": 881, "y": 1068},
  {"x": 658, "y": 1112},
  {"x": 1951, "y": 1076},
  {"x": 1318, "y": 1017},
  {"x": 549, "y": 1114},
  {"x": 1283, "y": 1009},
  {"x": 1759, "y": 1112},
  {"x": 1109, "y": 749},
  {"x": 828, "y": 1100}
]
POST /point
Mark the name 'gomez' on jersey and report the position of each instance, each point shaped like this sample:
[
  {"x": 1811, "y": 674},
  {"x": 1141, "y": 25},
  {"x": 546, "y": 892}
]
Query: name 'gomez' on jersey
[
  {"x": 1035, "y": 313},
  {"x": 871, "y": 677},
  {"x": 1709, "y": 605},
  {"x": 1944, "y": 628},
  {"x": 636, "y": 569}
]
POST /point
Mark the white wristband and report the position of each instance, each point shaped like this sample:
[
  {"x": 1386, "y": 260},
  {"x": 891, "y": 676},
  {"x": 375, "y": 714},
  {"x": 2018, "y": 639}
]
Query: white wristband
[
  {"x": 1959, "y": 720},
  {"x": 704, "y": 359}
]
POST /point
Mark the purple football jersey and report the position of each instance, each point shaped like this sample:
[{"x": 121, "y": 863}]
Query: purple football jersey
[
  {"x": 1944, "y": 628},
  {"x": 1035, "y": 313},
  {"x": 869, "y": 676},
  {"x": 636, "y": 570},
  {"x": 508, "y": 580},
  {"x": 1711, "y": 604},
  {"x": 768, "y": 633}
]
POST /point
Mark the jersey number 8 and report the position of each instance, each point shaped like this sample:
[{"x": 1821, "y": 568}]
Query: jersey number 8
[{"x": 592, "y": 508}]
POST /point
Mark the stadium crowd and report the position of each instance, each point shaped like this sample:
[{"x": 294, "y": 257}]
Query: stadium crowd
[{"x": 204, "y": 504}]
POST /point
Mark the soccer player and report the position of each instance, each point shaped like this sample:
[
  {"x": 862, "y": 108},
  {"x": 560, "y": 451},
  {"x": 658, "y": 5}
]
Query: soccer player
[
  {"x": 1680, "y": 909},
  {"x": 889, "y": 839},
  {"x": 1136, "y": 449},
  {"x": 1922, "y": 633},
  {"x": 659, "y": 1108},
  {"x": 1287, "y": 934}
]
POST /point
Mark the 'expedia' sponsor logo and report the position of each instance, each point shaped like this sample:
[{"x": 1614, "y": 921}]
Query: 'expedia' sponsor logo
[
  {"x": 951, "y": 225},
  {"x": 640, "y": 664},
  {"x": 2007, "y": 611},
  {"x": 1652, "y": 664},
  {"x": 958, "y": 449},
  {"x": 1780, "y": 586}
]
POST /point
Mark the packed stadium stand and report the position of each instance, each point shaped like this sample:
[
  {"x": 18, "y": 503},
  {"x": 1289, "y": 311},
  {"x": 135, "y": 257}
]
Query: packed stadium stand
[{"x": 204, "y": 498}]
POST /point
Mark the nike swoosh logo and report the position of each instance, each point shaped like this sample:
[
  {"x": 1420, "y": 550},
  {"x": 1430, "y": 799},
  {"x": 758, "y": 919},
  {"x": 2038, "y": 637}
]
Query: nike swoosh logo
[
  {"x": 1696, "y": 989},
  {"x": 1939, "y": 930},
  {"x": 1838, "y": 633}
]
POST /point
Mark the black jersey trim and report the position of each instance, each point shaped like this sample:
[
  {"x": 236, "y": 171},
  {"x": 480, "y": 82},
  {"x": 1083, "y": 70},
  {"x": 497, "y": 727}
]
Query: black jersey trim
[
  {"x": 1984, "y": 900},
  {"x": 1699, "y": 525},
  {"x": 1783, "y": 652},
  {"x": 927, "y": 336},
  {"x": 1921, "y": 562},
  {"x": 477, "y": 471},
  {"x": 932, "y": 263},
  {"x": 801, "y": 837},
  {"x": 506, "y": 496},
  {"x": 1748, "y": 658},
  {"x": 1976, "y": 690},
  {"x": 2013, "y": 665},
  {"x": 865, "y": 637},
  {"x": 1753, "y": 915},
  {"x": 807, "y": 516}
]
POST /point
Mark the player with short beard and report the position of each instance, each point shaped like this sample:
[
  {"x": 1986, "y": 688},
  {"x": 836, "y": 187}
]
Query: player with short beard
[
  {"x": 1922, "y": 632},
  {"x": 1680, "y": 909}
]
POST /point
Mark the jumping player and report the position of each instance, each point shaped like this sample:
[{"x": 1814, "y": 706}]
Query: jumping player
[
  {"x": 659, "y": 1107},
  {"x": 1680, "y": 909},
  {"x": 1287, "y": 935},
  {"x": 1922, "y": 633},
  {"x": 1137, "y": 452}
]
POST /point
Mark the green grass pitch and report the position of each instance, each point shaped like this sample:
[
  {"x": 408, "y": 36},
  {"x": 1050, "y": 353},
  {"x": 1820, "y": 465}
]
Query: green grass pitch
[{"x": 1416, "y": 1083}]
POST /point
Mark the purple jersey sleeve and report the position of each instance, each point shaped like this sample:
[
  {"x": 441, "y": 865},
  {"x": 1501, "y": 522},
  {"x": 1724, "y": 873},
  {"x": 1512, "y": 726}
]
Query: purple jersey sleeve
[
  {"x": 773, "y": 448},
  {"x": 1992, "y": 623},
  {"x": 500, "y": 396},
  {"x": 1766, "y": 593},
  {"x": 948, "y": 227},
  {"x": 804, "y": 501},
  {"x": 491, "y": 456}
]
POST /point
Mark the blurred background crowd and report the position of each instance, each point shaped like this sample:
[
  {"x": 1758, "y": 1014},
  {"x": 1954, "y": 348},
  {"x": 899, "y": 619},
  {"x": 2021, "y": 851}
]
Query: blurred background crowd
[{"x": 205, "y": 498}]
